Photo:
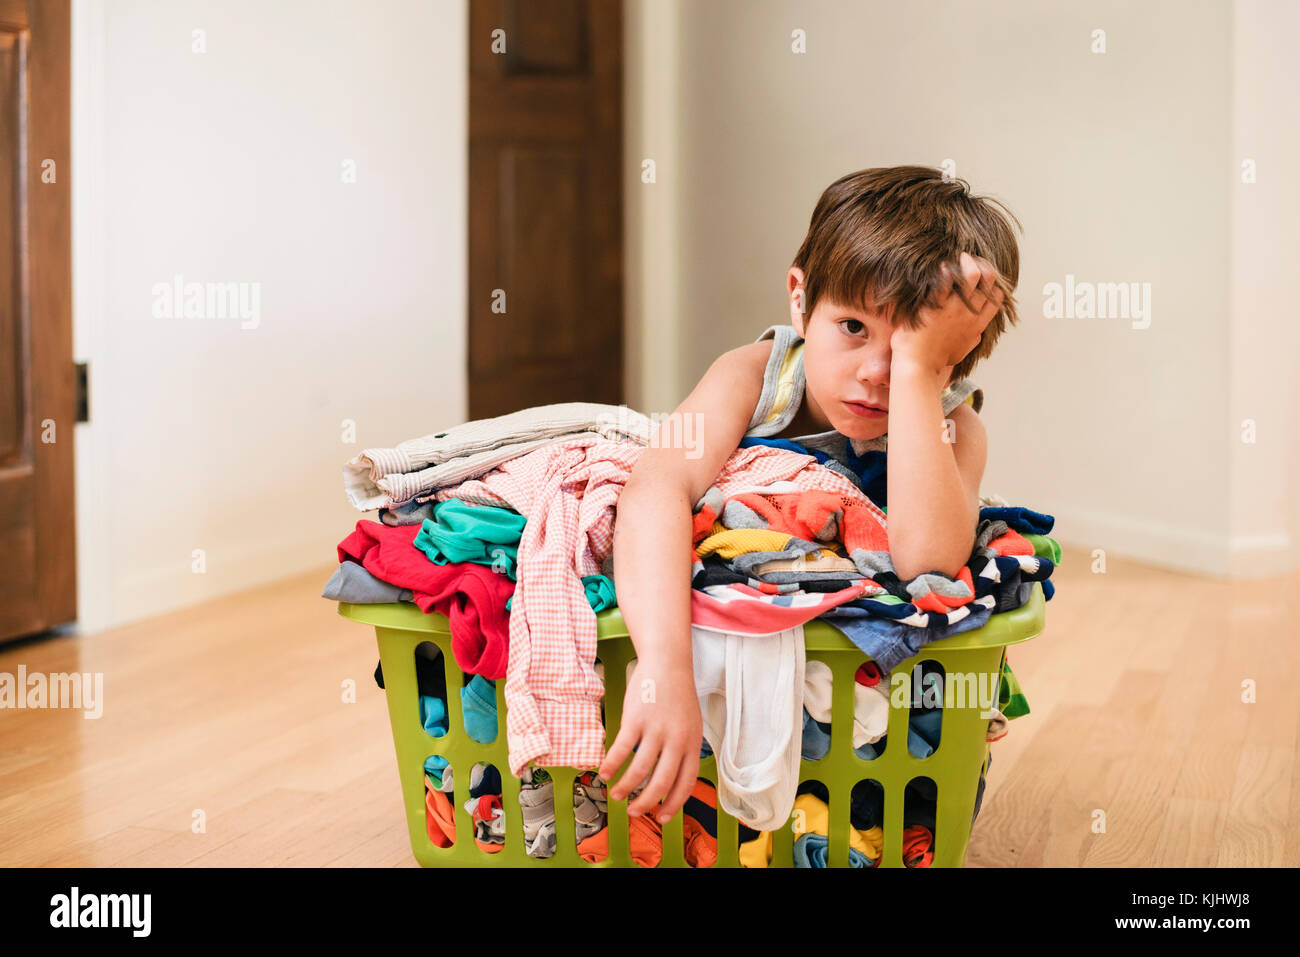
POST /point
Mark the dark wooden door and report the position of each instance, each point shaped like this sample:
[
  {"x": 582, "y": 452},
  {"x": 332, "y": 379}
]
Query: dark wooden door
[
  {"x": 37, "y": 376},
  {"x": 545, "y": 203}
]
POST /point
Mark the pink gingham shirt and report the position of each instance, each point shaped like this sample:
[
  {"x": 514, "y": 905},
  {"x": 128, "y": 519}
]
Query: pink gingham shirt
[{"x": 567, "y": 491}]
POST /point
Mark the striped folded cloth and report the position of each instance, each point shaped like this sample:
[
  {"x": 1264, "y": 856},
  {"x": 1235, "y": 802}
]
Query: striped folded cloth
[{"x": 387, "y": 477}]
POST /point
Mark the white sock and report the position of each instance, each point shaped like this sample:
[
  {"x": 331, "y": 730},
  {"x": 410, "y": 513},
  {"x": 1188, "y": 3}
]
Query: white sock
[
  {"x": 751, "y": 703},
  {"x": 870, "y": 703}
]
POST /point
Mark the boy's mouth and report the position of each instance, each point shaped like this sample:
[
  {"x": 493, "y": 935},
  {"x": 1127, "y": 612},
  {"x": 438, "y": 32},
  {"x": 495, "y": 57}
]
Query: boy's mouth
[{"x": 865, "y": 411}]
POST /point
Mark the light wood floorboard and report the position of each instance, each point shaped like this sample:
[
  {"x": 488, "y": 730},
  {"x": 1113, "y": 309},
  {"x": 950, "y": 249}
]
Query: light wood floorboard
[{"x": 1139, "y": 749}]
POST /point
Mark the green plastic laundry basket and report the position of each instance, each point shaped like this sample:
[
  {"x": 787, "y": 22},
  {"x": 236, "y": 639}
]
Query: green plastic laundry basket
[{"x": 955, "y": 766}]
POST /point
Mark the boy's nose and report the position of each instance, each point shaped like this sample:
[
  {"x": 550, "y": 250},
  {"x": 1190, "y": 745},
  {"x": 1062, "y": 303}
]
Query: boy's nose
[{"x": 874, "y": 369}]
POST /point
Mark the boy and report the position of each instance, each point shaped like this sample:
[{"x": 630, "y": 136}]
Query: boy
[{"x": 885, "y": 329}]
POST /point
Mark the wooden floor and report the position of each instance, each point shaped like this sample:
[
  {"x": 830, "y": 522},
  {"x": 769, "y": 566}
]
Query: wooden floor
[{"x": 1139, "y": 749}]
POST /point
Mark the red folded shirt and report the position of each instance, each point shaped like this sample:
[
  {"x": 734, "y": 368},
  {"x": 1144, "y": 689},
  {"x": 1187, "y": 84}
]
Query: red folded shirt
[{"x": 472, "y": 596}]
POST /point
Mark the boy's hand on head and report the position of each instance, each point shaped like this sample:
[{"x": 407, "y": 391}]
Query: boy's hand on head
[
  {"x": 950, "y": 330},
  {"x": 661, "y": 719}
]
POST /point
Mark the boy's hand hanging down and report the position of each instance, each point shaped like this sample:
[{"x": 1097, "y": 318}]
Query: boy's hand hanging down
[
  {"x": 661, "y": 718},
  {"x": 951, "y": 331}
]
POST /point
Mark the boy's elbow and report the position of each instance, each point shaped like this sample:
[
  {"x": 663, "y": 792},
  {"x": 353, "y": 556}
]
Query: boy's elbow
[
  {"x": 906, "y": 571},
  {"x": 910, "y": 562}
]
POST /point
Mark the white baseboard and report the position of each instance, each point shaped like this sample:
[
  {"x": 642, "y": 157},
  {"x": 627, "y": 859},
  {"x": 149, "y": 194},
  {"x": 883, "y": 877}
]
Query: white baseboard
[
  {"x": 162, "y": 589},
  {"x": 1177, "y": 548}
]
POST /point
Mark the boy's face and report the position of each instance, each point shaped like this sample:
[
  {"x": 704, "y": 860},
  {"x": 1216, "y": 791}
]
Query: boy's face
[{"x": 846, "y": 359}]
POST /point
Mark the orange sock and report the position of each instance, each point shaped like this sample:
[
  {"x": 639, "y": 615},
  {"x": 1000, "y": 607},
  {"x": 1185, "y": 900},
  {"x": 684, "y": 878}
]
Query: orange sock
[
  {"x": 645, "y": 840},
  {"x": 439, "y": 819},
  {"x": 701, "y": 847},
  {"x": 596, "y": 847},
  {"x": 918, "y": 846},
  {"x": 645, "y": 836}
]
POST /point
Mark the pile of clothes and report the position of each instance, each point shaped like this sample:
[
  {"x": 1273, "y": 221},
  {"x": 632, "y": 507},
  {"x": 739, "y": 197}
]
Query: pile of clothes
[{"x": 505, "y": 526}]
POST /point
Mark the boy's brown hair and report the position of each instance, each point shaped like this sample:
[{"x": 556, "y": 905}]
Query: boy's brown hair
[{"x": 886, "y": 231}]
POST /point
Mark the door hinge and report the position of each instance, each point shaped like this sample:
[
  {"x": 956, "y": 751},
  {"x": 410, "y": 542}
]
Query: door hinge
[{"x": 83, "y": 394}]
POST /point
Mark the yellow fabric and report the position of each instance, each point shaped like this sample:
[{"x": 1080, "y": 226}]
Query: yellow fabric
[
  {"x": 731, "y": 542},
  {"x": 812, "y": 816},
  {"x": 831, "y": 549},
  {"x": 755, "y": 853},
  {"x": 873, "y": 840},
  {"x": 785, "y": 382}
]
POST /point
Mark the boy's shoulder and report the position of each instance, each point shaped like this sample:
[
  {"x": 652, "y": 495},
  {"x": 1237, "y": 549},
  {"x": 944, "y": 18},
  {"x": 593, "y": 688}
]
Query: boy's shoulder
[
  {"x": 747, "y": 360},
  {"x": 753, "y": 353},
  {"x": 730, "y": 390}
]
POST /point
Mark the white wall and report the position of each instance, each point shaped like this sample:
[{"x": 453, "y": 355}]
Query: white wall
[
  {"x": 1265, "y": 341},
  {"x": 652, "y": 199},
  {"x": 226, "y": 165},
  {"x": 1121, "y": 165}
]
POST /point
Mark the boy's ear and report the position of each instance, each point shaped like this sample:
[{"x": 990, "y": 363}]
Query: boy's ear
[{"x": 794, "y": 283}]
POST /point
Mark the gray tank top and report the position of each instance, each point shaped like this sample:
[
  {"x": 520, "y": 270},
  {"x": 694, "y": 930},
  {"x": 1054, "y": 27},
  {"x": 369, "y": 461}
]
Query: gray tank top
[{"x": 783, "y": 385}]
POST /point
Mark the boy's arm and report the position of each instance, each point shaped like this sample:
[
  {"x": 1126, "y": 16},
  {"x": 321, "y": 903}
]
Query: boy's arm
[
  {"x": 652, "y": 542},
  {"x": 652, "y": 530},
  {"x": 933, "y": 483}
]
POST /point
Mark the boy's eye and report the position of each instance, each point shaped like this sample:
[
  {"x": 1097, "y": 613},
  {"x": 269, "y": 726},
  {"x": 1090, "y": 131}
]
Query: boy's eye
[{"x": 846, "y": 323}]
